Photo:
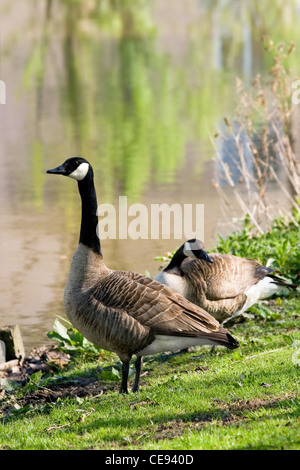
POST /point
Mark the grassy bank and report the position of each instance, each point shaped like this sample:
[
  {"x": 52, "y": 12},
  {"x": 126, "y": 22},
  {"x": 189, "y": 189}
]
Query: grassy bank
[{"x": 203, "y": 399}]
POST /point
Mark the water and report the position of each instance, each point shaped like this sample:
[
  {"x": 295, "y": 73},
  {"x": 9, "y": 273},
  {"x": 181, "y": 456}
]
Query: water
[{"x": 137, "y": 90}]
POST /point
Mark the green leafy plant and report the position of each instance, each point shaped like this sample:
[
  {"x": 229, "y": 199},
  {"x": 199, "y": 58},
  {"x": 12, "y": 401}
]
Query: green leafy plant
[
  {"x": 110, "y": 373},
  {"x": 264, "y": 311},
  {"x": 71, "y": 341}
]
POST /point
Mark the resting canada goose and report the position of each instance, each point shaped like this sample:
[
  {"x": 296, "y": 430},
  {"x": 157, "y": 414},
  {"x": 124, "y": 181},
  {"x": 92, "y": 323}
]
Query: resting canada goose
[
  {"x": 123, "y": 311},
  {"x": 223, "y": 285}
]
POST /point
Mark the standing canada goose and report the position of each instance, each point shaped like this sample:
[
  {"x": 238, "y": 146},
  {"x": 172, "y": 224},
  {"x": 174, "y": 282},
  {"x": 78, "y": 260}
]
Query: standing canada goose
[
  {"x": 123, "y": 311},
  {"x": 223, "y": 285}
]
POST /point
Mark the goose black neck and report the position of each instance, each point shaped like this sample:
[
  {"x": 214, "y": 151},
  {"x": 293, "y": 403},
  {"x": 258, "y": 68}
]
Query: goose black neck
[
  {"x": 174, "y": 267},
  {"x": 89, "y": 218}
]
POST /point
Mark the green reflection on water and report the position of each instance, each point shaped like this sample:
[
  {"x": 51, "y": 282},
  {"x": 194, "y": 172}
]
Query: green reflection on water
[{"x": 125, "y": 103}]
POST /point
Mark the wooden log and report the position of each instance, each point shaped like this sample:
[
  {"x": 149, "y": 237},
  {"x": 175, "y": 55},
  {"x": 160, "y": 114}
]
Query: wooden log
[
  {"x": 8, "y": 366},
  {"x": 2, "y": 352},
  {"x": 12, "y": 339}
]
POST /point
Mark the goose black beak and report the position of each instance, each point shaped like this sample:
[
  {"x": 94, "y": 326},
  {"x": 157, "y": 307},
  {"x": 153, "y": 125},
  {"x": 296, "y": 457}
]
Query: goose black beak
[
  {"x": 59, "y": 170},
  {"x": 201, "y": 254}
]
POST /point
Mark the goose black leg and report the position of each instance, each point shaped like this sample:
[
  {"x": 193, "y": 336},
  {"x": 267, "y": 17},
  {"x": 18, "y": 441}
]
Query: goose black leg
[
  {"x": 125, "y": 372},
  {"x": 138, "y": 368}
]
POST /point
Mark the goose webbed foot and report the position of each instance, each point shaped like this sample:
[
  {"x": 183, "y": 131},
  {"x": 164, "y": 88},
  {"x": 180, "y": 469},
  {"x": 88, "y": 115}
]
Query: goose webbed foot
[{"x": 138, "y": 367}]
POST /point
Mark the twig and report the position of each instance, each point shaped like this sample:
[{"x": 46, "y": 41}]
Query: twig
[
  {"x": 285, "y": 191},
  {"x": 57, "y": 427},
  {"x": 262, "y": 353}
]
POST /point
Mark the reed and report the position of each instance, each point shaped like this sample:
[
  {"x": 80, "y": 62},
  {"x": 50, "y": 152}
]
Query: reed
[{"x": 256, "y": 150}]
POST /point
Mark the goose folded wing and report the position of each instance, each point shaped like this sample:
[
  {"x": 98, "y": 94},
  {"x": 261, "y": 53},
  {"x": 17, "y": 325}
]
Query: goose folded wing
[
  {"x": 227, "y": 277},
  {"x": 153, "y": 305}
]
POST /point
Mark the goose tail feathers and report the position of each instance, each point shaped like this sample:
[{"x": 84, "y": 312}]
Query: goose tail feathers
[
  {"x": 262, "y": 271},
  {"x": 223, "y": 338},
  {"x": 219, "y": 337},
  {"x": 281, "y": 282}
]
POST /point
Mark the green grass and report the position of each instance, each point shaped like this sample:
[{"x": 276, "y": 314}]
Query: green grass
[
  {"x": 245, "y": 399},
  {"x": 205, "y": 399}
]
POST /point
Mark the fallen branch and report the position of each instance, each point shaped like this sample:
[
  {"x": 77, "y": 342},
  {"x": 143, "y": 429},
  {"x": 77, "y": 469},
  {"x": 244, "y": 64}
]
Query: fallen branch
[{"x": 262, "y": 353}]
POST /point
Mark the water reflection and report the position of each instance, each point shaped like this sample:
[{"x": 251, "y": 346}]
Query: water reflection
[{"x": 137, "y": 87}]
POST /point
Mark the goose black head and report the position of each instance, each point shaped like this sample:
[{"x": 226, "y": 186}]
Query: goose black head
[
  {"x": 190, "y": 249},
  {"x": 75, "y": 167},
  {"x": 195, "y": 249}
]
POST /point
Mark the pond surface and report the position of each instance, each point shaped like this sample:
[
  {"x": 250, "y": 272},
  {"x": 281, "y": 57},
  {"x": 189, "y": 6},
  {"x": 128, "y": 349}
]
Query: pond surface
[{"x": 139, "y": 89}]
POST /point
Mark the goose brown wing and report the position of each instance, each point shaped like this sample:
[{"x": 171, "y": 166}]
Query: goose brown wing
[
  {"x": 153, "y": 305},
  {"x": 227, "y": 277}
]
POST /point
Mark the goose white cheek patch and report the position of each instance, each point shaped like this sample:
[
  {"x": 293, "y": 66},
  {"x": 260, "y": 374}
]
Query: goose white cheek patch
[
  {"x": 80, "y": 172},
  {"x": 189, "y": 247}
]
